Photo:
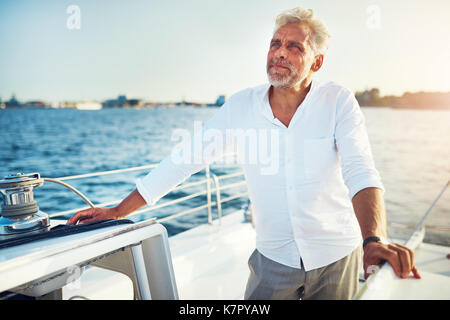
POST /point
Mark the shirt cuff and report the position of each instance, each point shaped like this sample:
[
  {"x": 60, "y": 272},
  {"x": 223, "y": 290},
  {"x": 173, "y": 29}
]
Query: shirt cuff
[
  {"x": 143, "y": 191},
  {"x": 367, "y": 183}
]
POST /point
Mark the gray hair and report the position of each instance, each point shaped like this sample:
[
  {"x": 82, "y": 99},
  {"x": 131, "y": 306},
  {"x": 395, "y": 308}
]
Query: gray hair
[{"x": 320, "y": 34}]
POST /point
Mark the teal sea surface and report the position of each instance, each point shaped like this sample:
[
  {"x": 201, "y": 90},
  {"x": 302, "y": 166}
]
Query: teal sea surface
[{"x": 411, "y": 149}]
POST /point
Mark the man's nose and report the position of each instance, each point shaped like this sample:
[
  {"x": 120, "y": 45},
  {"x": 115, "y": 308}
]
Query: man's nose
[{"x": 281, "y": 53}]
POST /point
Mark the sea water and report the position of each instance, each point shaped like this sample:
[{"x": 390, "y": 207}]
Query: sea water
[{"x": 411, "y": 150}]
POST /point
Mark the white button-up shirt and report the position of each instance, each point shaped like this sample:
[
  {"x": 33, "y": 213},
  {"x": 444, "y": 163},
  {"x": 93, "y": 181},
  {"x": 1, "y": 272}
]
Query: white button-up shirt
[{"x": 300, "y": 178}]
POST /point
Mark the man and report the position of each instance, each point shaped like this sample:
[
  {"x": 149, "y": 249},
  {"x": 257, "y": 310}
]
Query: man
[{"x": 325, "y": 195}]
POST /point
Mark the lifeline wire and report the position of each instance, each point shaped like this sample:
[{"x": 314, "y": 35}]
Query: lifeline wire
[{"x": 71, "y": 188}]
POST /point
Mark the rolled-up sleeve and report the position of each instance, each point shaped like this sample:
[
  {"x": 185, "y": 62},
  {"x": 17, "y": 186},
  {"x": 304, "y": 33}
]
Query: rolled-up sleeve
[
  {"x": 352, "y": 141},
  {"x": 192, "y": 156}
]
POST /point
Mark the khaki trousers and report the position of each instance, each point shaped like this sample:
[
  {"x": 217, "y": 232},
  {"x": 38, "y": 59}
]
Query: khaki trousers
[{"x": 271, "y": 280}]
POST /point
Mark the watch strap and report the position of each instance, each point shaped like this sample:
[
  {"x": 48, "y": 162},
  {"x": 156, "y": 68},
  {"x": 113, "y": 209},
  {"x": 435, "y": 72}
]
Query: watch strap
[{"x": 370, "y": 239}]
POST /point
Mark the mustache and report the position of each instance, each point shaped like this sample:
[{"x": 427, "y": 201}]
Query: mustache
[{"x": 283, "y": 63}]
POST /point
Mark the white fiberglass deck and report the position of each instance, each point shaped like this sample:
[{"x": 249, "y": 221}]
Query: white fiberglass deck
[
  {"x": 210, "y": 261},
  {"x": 434, "y": 267}
]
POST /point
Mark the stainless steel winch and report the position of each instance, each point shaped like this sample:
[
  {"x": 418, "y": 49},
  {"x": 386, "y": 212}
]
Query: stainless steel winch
[
  {"x": 20, "y": 217},
  {"x": 20, "y": 213}
]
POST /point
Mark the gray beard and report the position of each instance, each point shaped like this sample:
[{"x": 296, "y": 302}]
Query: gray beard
[
  {"x": 280, "y": 81},
  {"x": 284, "y": 83}
]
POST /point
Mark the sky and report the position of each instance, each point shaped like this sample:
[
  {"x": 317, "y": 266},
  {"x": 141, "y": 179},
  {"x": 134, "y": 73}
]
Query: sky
[{"x": 195, "y": 50}]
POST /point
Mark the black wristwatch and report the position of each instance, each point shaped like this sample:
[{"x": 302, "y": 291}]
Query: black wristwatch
[{"x": 370, "y": 239}]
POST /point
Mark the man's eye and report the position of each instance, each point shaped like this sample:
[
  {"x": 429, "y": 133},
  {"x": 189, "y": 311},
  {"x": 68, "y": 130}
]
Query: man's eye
[
  {"x": 274, "y": 44},
  {"x": 297, "y": 47}
]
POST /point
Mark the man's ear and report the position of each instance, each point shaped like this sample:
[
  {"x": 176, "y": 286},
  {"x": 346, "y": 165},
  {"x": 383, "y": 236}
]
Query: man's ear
[{"x": 318, "y": 62}]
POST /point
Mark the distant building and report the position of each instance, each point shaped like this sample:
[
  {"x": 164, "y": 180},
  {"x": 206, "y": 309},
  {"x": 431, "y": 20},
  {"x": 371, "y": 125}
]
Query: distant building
[
  {"x": 123, "y": 102},
  {"x": 115, "y": 103},
  {"x": 68, "y": 104},
  {"x": 88, "y": 105},
  {"x": 220, "y": 100},
  {"x": 35, "y": 104},
  {"x": 56, "y": 105},
  {"x": 134, "y": 103},
  {"x": 12, "y": 102}
]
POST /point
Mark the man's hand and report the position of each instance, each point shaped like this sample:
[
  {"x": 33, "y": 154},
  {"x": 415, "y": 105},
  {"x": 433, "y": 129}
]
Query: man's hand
[
  {"x": 93, "y": 214},
  {"x": 131, "y": 203},
  {"x": 399, "y": 257},
  {"x": 371, "y": 214}
]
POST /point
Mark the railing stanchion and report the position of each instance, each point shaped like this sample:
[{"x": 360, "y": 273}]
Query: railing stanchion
[
  {"x": 208, "y": 177},
  {"x": 208, "y": 193},
  {"x": 219, "y": 203}
]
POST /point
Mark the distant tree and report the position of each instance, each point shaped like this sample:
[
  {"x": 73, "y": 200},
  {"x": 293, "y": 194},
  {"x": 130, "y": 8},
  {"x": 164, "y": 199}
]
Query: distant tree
[{"x": 374, "y": 94}]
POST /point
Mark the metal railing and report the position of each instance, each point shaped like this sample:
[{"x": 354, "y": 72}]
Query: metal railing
[{"x": 209, "y": 177}]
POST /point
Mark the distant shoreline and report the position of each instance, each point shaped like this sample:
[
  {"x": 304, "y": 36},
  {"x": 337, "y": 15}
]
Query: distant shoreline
[
  {"x": 112, "y": 108},
  {"x": 408, "y": 108},
  {"x": 214, "y": 107},
  {"x": 415, "y": 100}
]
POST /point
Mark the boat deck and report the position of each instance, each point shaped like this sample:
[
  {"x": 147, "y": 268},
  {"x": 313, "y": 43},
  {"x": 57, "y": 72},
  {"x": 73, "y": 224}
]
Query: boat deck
[
  {"x": 210, "y": 263},
  {"x": 434, "y": 267}
]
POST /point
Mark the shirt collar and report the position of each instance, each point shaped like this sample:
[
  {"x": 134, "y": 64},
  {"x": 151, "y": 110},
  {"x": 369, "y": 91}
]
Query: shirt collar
[
  {"x": 266, "y": 110},
  {"x": 265, "y": 104}
]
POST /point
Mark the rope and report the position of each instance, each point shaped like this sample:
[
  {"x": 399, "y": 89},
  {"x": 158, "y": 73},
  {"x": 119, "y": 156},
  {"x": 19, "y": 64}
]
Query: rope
[
  {"x": 71, "y": 188},
  {"x": 420, "y": 223}
]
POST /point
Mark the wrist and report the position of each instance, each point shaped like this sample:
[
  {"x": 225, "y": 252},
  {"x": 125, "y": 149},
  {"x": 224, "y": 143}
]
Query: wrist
[
  {"x": 375, "y": 239},
  {"x": 115, "y": 213}
]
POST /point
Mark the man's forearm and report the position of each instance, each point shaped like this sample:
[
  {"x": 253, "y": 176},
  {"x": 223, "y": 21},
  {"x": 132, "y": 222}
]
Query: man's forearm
[
  {"x": 370, "y": 212},
  {"x": 133, "y": 202}
]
